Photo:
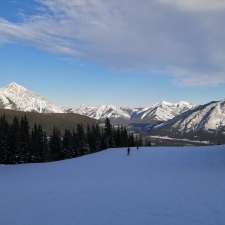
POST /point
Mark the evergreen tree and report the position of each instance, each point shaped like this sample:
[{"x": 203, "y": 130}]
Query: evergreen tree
[
  {"x": 74, "y": 143},
  {"x": 131, "y": 141},
  {"x": 96, "y": 132},
  {"x": 38, "y": 144},
  {"x": 68, "y": 144},
  {"x": 13, "y": 141},
  {"x": 24, "y": 140},
  {"x": 4, "y": 148},
  {"x": 81, "y": 140},
  {"x": 41, "y": 143},
  {"x": 55, "y": 145},
  {"x": 108, "y": 134},
  {"x": 45, "y": 154},
  {"x": 34, "y": 144},
  {"x": 67, "y": 140},
  {"x": 124, "y": 137},
  {"x": 118, "y": 137},
  {"x": 19, "y": 145}
]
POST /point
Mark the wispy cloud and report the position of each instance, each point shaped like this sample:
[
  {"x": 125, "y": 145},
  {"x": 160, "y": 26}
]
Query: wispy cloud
[
  {"x": 149, "y": 34},
  {"x": 193, "y": 78},
  {"x": 197, "y": 5}
]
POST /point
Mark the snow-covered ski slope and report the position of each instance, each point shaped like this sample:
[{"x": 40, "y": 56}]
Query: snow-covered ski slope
[{"x": 153, "y": 186}]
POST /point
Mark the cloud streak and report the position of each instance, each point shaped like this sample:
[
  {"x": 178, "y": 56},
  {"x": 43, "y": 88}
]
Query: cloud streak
[
  {"x": 185, "y": 37},
  {"x": 197, "y": 5}
]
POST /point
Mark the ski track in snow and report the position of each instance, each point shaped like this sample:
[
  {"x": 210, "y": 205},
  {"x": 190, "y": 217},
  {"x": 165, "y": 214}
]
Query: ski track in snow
[{"x": 153, "y": 186}]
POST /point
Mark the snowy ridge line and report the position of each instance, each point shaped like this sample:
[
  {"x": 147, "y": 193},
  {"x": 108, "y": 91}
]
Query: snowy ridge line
[
  {"x": 208, "y": 117},
  {"x": 157, "y": 112},
  {"x": 17, "y": 97}
]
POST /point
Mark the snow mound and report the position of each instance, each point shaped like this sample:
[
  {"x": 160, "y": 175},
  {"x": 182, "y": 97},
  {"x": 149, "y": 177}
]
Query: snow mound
[{"x": 159, "y": 186}]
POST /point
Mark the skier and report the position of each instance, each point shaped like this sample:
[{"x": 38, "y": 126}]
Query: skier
[
  {"x": 128, "y": 151},
  {"x": 137, "y": 147}
]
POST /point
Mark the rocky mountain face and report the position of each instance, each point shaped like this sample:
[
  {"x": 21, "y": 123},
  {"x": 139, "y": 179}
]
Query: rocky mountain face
[
  {"x": 160, "y": 112},
  {"x": 16, "y": 97},
  {"x": 204, "y": 118},
  {"x": 163, "y": 111},
  {"x": 103, "y": 112}
]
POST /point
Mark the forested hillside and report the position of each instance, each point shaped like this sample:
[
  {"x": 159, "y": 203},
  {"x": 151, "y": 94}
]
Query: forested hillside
[
  {"x": 50, "y": 120},
  {"x": 22, "y": 143}
]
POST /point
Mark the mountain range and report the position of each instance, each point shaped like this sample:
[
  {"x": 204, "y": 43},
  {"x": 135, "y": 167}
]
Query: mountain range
[
  {"x": 159, "y": 112},
  {"x": 204, "y": 118},
  {"x": 183, "y": 116},
  {"x": 19, "y": 98}
]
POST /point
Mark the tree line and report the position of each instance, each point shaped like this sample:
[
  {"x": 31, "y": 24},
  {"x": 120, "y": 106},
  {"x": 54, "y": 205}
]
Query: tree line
[{"x": 20, "y": 143}]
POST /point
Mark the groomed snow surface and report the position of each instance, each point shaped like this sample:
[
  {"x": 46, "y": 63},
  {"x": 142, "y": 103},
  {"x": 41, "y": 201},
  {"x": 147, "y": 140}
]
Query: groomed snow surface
[{"x": 153, "y": 186}]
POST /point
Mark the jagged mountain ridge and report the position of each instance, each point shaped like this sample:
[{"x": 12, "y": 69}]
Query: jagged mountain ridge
[
  {"x": 159, "y": 112},
  {"x": 103, "y": 112},
  {"x": 162, "y": 111},
  {"x": 17, "y": 97},
  {"x": 204, "y": 118}
]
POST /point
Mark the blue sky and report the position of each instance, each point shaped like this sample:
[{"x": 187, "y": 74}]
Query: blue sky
[{"x": 96, "y": 52}]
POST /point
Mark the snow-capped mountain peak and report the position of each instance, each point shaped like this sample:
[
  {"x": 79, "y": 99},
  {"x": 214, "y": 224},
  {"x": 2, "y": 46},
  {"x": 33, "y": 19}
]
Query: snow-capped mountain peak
[
  {"x": 158, "y": 112},
  {"x": 203, "y": 118},
  {"x": 162, "y": 111},
  {"x": 17, "y": 97},
  {"x": 103, "y": 112},
  {"x": 15, "y": 88}
]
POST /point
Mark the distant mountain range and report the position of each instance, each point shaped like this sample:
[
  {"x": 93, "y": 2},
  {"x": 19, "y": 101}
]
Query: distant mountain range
[
  {"x": 183, "y": 117},
  {"x": 103, "y": 112},
  {"x": 204, "y": 118},
  {"x": 159, "y": 112}
]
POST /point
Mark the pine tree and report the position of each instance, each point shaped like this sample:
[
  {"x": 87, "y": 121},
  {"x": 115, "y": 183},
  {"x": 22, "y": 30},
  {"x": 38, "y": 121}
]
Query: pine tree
[
  {"x": 18, "y": 145},
  {"x": 68, "y": 144},
  {"x": 45, "y": 154},
  {"x": 131, "y": 141},
  {"x": 55, "y": 145},
  {"x": 13, "y": 141},
  {"x": 38, "y": 143},
  {"x": 96, "y": 138},
  {"x": 34, "y": 144},
  {"x": 81, "y": 140},
  {"x": 41, "y": 143},
  {"x": 108, "y": 134},
  {"x": 117, "y": 137},
  {"x": 74, "y": 143},
  {"x": 93, "y": 138},
  {"x": 124, "y": 137},
  {"x": 24, "y": 140},
  {"x": 4, "y": 148},
  {"x": 67, "y": 140}
]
